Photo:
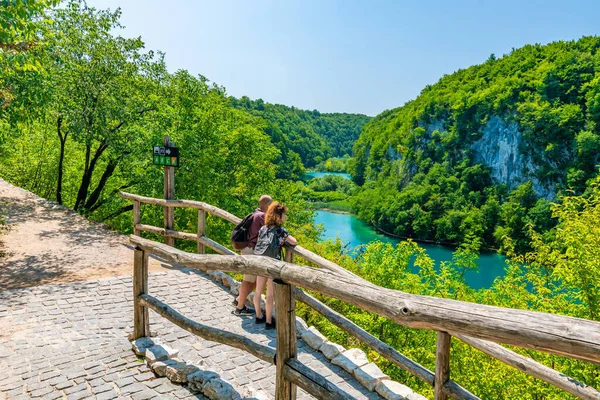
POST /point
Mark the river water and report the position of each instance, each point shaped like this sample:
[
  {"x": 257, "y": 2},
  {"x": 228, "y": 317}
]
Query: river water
[
  {"x": 354, "y": 232},
  {"x": 313, "y": 174}
]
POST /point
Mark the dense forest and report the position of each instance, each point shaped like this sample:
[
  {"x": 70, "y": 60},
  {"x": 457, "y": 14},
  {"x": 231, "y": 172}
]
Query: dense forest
[
  {"x": 479, "y": 154},
  {"x": 309, "y": 136},
  {"x": 81, "y": 107}
]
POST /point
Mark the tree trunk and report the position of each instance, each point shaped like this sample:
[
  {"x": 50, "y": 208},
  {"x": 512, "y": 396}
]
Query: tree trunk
[
  {"x": 88, "y": 150},
  {"x": 86, "y": 179},
  {"x": 110, "y": 169},
  {"x": 115, "y": 192},
  {"x": 61, "y": 158},
  {"x": 88, "y": 171},
  {"x": 118, "y": 212}
]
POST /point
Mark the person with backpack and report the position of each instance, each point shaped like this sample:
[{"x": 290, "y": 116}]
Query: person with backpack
[
  {"x": 244, "y": 238},
  {"x": 271, "y": 238}
]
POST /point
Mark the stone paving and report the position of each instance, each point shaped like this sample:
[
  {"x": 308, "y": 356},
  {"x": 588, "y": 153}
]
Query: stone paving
[{"x": 69, "y": 341}]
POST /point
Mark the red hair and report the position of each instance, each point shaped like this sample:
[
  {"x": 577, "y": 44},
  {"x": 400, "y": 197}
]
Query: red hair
[{"x": 274, "y": 215}]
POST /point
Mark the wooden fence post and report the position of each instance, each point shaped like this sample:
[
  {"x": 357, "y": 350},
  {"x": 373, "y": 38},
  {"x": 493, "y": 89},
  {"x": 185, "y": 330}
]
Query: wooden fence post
[
  {"x": 289, "y": 255},
  {"x": 169, "y": 194},
  {"x": 285, "y": 308},
  {"x": 141, "y": 322},
  {"x": 136, "y": 217},
  {"x": 201, "y": 230},
  {"x": 442, "y": 365}
]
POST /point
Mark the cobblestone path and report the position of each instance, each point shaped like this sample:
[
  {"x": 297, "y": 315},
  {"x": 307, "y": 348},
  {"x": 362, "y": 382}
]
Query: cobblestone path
[{"x": 69, "y": 341}]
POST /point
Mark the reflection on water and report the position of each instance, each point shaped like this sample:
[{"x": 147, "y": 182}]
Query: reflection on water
[{"x": 354, "y": 232}]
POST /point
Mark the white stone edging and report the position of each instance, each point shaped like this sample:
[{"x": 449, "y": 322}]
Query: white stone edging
[
  {"x": 163, "y": 361},
  {"x": 354, "y": 360}
]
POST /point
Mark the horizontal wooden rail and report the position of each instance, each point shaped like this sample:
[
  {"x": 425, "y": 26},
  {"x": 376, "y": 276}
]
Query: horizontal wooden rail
[
  {"x": 324, "y": 263},
  {"x": 575, "y": 337},
  {"x": 451, "y": 388},
  {"x": 315, "y": 384},
  {"x": 241, "y": 342},
  {"x": 186, "y": 236},
  {"x": 166, "y": 232},
  {"x": 185, "y": 204},
  {"x": 302, "y": 252},
  {"x": 365, "y": 337},
  {"x": 533, "y": 368},
  {"x": 456, "y": 391}
]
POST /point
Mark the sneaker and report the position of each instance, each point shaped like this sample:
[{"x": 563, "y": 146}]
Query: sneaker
[
  {"x": 243, "y": 311},
  {"x": 269, "y": 326},
  {"x": 234, "y": 303},
  {"x": 260, "y": 320}
]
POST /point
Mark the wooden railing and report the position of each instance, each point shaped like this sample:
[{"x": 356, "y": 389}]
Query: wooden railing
[{"x": 479, "y": 326}]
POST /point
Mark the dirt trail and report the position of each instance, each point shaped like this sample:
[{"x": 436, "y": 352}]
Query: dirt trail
[{"x": 49, "y": 243}]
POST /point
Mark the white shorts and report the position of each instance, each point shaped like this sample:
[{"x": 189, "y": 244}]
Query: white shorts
[{"x": 247, "y": 251}]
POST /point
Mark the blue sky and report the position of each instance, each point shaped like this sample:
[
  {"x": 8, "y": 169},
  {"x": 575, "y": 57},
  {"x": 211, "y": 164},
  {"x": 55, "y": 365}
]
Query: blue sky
[{"x": 343, "y": 56}]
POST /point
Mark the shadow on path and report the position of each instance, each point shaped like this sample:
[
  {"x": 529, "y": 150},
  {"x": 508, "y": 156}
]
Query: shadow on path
[{"x": 49, "y": 243}]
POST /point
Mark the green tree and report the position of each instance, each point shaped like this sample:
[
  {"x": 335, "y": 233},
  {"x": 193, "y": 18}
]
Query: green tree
[
  {"x": 102, "y": 84},
  {"x": 314, "y": 136},
  {"x": 570, "y": 256},
  {"x": 20, "y": 23}
]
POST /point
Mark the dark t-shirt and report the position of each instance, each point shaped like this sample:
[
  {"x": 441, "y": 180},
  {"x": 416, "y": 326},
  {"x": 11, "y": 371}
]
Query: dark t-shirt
[{"x": 257, "y": 222}]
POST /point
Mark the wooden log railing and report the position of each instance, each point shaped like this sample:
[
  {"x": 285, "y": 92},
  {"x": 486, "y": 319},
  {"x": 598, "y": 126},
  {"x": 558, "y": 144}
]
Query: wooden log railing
[
  {"x": 479, "y": 326},
  {"x": 287, "y": 348},
  {"x": 265, "y": 353},
  {"x": 299, "y": 250}
]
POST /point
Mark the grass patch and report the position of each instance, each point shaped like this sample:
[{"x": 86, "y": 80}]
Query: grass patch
[{"x": 339, "y": 205}]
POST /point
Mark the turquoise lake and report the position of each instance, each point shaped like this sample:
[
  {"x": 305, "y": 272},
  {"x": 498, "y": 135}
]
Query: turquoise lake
[
  {"x": 355, "y": 232},
  {"x": 311, "y": 175}
]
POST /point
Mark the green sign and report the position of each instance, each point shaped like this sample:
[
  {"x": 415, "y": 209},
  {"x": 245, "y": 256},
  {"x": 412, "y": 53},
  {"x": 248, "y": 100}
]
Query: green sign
[{"x": 164, "y": 155}]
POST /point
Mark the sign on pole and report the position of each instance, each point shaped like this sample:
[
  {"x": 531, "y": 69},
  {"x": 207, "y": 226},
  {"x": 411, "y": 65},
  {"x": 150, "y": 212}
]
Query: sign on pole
[{"x": 166, "y": 155}]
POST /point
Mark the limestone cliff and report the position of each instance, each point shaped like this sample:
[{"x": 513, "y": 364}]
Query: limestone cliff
[{"x": 500, "y": 149}]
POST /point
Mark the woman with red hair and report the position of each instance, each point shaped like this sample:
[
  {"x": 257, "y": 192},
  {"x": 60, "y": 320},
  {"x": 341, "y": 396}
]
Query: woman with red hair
[{"x": 271, "y": 238}]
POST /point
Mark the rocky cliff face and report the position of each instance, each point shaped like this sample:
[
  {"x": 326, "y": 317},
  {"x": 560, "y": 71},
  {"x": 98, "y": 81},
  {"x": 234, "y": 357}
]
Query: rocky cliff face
[{"x": 499, "y": 148}]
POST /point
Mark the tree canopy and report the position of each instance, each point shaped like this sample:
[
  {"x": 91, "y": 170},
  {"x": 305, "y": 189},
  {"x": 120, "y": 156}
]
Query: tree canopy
[{"x": 82, "y": 128}]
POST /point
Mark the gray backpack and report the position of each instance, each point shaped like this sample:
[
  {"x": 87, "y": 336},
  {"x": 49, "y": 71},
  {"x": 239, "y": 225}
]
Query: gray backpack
[{"x": 267, "y": 243}]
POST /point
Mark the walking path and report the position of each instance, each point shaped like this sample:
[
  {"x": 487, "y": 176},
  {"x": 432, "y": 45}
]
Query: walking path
[
  {"x": 49, "y": 243},
  {"x": 69, "y": 340}
]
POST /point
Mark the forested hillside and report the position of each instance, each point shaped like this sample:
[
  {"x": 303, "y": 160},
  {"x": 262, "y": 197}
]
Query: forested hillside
[
  {"x": 311, "y": 136},
  {"x": 479, "y": 155}
]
